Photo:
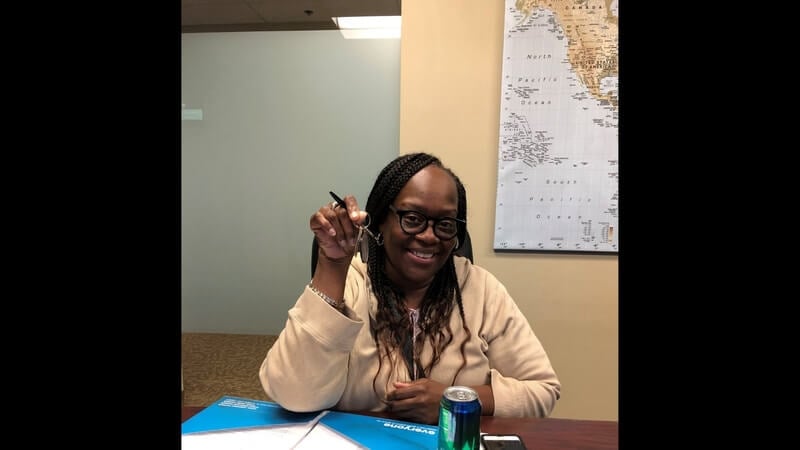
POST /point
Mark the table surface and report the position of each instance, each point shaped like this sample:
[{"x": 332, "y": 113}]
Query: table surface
[{"x": 536, "y": 433}]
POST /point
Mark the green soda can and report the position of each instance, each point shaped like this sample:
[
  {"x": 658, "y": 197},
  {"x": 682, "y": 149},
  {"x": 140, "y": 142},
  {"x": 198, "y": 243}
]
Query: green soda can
[{"x": 459, "y": 419}]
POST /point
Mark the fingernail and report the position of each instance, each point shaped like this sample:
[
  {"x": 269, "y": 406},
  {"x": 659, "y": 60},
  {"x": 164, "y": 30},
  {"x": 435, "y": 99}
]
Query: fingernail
[{"x": 343, "y": 244}]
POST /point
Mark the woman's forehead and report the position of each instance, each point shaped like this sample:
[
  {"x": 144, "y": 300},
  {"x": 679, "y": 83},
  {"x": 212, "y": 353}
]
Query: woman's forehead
[{"x": 430, "y": 185}]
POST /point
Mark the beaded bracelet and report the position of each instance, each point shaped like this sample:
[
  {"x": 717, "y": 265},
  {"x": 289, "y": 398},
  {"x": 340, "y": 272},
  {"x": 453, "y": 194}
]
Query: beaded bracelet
[{"x": 339, "y": 306}]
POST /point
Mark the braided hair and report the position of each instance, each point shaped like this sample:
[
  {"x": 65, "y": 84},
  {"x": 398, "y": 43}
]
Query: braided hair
[{"x": 391, "y": 328}]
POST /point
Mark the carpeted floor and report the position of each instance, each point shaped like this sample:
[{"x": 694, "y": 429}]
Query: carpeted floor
[{"x": 222, "y": 364}]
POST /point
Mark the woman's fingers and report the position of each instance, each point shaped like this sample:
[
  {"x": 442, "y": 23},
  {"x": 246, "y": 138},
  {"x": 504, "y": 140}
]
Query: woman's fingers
[{"x": 337, "y": 227}]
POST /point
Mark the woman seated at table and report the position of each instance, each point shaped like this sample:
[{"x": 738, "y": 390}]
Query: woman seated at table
[{"x": 392, "y": 329}]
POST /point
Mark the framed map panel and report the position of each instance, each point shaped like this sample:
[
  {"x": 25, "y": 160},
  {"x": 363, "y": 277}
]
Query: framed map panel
[{"x": 558, "y": 168}]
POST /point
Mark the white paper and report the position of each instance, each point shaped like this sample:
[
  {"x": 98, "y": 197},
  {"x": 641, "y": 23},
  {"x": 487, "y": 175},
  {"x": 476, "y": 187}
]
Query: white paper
[
  {"x": 281, "y": 437},
  {"x": 311, "y": 436}
]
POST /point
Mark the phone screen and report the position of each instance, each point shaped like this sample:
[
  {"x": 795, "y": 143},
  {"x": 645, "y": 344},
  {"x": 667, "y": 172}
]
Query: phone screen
[{"x": 502, "y": 442}]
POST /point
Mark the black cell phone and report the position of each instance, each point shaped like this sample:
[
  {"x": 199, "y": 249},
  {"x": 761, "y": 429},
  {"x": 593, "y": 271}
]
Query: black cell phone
[{"x": 502, "y": 442}]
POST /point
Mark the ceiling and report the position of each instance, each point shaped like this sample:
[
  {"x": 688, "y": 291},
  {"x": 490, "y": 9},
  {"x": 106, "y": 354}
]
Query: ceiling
[{"x": 201, "y": 16}]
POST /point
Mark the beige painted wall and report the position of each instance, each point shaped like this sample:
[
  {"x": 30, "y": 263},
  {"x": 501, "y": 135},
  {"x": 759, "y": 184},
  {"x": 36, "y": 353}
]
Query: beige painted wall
[{"x": 450, "y": 68}]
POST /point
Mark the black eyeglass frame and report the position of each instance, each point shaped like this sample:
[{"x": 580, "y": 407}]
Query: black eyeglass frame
[{"x": 402, "y": 212}]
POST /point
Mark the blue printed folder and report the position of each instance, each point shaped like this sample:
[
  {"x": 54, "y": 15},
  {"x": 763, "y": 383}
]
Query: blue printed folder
[{"x": 230, "y": 413}]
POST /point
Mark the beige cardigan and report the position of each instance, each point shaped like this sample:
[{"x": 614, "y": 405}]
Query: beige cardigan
[{"x": 324, "y": 359}]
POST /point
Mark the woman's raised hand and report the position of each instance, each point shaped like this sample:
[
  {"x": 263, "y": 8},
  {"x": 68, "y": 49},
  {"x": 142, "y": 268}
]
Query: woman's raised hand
[{"x": 337, "y": 227}]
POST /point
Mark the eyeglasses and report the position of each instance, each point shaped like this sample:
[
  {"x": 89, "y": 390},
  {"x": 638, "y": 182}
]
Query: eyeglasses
[{"x": 414, "y": 222}]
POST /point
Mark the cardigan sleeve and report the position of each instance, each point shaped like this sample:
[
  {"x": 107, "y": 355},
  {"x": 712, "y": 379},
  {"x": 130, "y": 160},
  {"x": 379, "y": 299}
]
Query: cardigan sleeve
[
  {"x": 523, "y": 381},
  {"x": 306, "y": 368}
]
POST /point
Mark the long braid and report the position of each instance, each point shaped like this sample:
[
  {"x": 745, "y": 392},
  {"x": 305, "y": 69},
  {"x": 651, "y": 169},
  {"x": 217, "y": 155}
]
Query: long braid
[
  {"x": 391, "y": 327},
  {"x": 462, "y": 232}
]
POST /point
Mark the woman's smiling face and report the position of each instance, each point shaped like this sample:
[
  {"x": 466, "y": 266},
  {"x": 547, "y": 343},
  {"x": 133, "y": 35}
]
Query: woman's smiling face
[{"x": 412, "y": 261}]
